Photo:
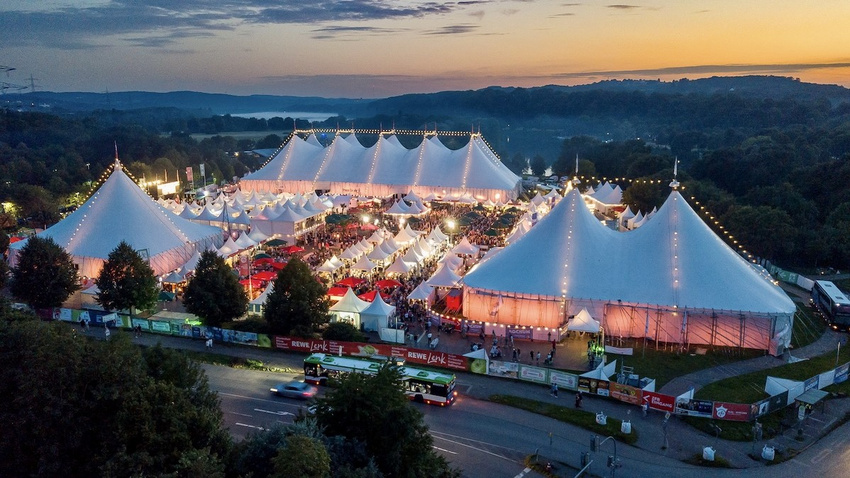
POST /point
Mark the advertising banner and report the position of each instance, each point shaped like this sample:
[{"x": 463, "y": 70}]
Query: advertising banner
[
  {"x": 841, "y": 373},
  {"x": 564, "y": 380},
  {"x": 593, "y": 385},
  {"x": 778, "y": 402},
  {"x": 143, "y": 323},
  {"x": 504, "y": 369},
  {"x": 602, "y": 388},
  {"x": 659, "y": 401},
  {"x": 695, "y": 408},
  {"x": 810, "y": 383},
  {"x": 416, "y": 356},
  {"x": 760, "y": 408},
  {"x": 533, "y": 374},
  {"x": 519, "y": 333},
  {"x": 474, "y": 328},
  {"x": 625, "y": 393},
  {"x": 160, "y": 326},
  {"x": 737, "y": 412}
]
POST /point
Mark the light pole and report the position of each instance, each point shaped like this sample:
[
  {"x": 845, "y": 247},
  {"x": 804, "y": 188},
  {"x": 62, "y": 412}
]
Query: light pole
[{"x": 664, "y": 429}]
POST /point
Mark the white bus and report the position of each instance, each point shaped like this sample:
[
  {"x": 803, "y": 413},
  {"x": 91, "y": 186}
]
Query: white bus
[{"x": 427, "y": 386}]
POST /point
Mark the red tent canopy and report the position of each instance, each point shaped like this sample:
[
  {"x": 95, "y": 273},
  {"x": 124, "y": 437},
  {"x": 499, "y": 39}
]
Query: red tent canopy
[
  {"x": 370, "y": 296},
  {"x": 293, "y": 249},
  {"x": 388, "y": 283},
  {"x": 264, "y": 275},
  {"x": 264, "y": 260},
  {"x": 337, "y": 291},
  {"x": 369, "y": 227},
  {"x": 351, "y": 281},
  {"x": 278, "y": 265}
]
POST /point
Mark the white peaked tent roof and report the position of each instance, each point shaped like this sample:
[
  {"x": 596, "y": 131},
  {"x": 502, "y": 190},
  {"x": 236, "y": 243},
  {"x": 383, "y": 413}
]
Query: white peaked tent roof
[
  {"x": 411, "y": 232},
  {"x": 609, "y": 194},
  {"x": 230, "y": 247},
  {"x": 376, "y": 237},
  {"x": 444, "y": 277},
  {"x": 174, "y": 278},
  {"x": 421, "y": 292},
  {"x": 192, "y": 263},
  {"x": 387, "y": 166},
  {"x": 552, "y": 194},
  {"x": 378, "y": 307},
  {"x": 583, "y": 322},
  {"x": 412, "y": 197},
  {"x": 399, "y": 207},
  {"x": 674, "y": 260},
  {"x": 411, "y": 257},
  {"x": 188, "y": 212},
  {"x": 351, "y": 253},
  {"x": 627, "y": 214},
  {"x": 403, "y": 237},
  {"x": 378, "y": 254},
  {"x": 438, "y": 235},
  {"x": 121, "y": 211},
  {"x": 257, "y": 235},
  {"x": 452, "y": 260},
  {"x": 261, "y": 299},
  {"x": 537, "y": 199},
  {"x": 399, "y": 266},
  {"x": 388, "y": 246},
  {"x": 465, "y": 247},
  {"x": 244, "y": 241},
  {"x": 350, "y": 303},
  {"x": 364, "y": 264}
]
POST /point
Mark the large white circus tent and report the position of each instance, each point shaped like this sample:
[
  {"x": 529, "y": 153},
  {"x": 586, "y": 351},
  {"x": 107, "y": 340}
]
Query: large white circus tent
[
  {"x": 121, "y": 211},
  {"x": 673, "y": 280},
  {"x": 385, "y": 168}
]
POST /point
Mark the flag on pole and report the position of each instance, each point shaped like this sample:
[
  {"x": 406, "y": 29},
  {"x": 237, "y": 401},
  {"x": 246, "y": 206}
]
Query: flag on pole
[
  {"x": 189, "y": 174},
  {"x": 646, "y": 329}
]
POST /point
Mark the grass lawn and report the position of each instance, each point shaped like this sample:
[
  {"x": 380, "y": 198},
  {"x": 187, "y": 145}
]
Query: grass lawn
[
  {"x": 664, "y": 366},
  {"x": 749, "y": 388},
  {"x": 580, "y": 418}
]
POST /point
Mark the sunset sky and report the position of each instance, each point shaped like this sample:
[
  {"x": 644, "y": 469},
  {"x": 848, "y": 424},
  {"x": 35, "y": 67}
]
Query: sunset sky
[{"x": 374, "y": 48}]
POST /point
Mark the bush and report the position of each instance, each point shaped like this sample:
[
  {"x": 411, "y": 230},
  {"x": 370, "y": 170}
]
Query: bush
[{"x": 343, "y": 331}]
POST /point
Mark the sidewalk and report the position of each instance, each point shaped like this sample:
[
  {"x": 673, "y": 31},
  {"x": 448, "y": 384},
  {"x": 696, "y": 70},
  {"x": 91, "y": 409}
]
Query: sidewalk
[{"x": 684, "y": 441}]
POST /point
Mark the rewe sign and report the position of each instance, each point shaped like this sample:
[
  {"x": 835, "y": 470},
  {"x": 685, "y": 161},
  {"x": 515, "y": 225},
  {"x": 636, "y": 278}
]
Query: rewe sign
[{"x": 417, "y": 356}]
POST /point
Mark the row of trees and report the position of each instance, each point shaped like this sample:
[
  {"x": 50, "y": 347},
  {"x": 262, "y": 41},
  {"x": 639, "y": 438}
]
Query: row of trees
[{"x": 76, "y": 406}]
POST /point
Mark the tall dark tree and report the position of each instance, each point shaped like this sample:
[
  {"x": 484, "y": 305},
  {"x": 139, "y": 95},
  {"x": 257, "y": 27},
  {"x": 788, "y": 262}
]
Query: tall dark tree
[
  {"x": 359, "y": 409},
  {"x": 126, "y": 281},
  {"x": 538, "y": 165},
  {"x": 214, "y": 294},
  {"x": 298, "y": 303},
  {"x": 111, "y": 409},
  {"x": 44, "y": 276}
]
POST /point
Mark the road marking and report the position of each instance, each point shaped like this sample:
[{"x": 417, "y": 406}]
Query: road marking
[
  {"x": 241, "y": 414},
  {"x": 249, "y": 426},
  {"x": 444, "y": 450},
  {"x": 273, "y": 413},
  {"x": 820, "y": 456},
  {"x": 477, "y": 449},
  {"x": 523, "y": 473}
]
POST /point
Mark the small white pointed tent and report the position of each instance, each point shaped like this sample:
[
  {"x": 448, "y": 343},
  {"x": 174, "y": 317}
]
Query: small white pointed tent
[
  {"x": 364, "y": 265},
  {"x": 444, "y": 277},
  {"x": 398, "y": 267},
  {"x": 583, "y": 322},
  {"x": 422, "y": 292},
  {"x": 255, "y": 306},
  {"x": 376, "y": 316},
  {"x": 348, "y": 308},
  {"x": 120, "y": 211},
  {"x": 464, "y": 247}
]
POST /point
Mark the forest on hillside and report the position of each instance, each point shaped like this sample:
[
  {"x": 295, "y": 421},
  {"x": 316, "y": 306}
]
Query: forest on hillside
[{"x": 774, "y": 172}]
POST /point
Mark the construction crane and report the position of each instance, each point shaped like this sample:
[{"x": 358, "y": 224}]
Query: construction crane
[{"x": 7, "y": 69}]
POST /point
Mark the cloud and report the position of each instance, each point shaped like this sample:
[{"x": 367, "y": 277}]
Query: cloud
[
  {"x": 453, "y": 30},
  {"x": 160, "y": 23},
  {"x": 777, "y": 68},
  {"x": 349, "y": 31},
  {"x": 620, "y": 6}
]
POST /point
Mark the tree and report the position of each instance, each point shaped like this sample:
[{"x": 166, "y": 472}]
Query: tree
[
  {"x": 110, "y": 408},
  {"x": 45, "y": 276},
  {"x": 303, "y": 457},
  {"x": 298, "y": 303},
  {"x": 126, "y": 281},
  {"x": 359, "y": 409},
  {"x": 538, "y": 165},
  {"x": 214, "y": 294}
]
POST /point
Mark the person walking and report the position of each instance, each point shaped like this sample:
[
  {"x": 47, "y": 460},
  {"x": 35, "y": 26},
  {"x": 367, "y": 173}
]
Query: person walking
[
  {"x": 106, "y": 333},
  {"x": 555, "y": 390},
  {"x": 578, "y": 399}
]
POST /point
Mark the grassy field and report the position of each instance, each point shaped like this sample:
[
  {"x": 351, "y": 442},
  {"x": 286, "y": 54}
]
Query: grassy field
[
  {"x": 580, "y": 418},
  {"x": 664, "y": 366}
]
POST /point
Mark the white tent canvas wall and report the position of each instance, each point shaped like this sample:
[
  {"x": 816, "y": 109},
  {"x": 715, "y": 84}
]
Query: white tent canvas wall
[
  {"x": 121, "y": 211},
  {"x": 377, "y": 315},
  {"x": 673, "y": 280},
  {"x": 386, "y": 168}
]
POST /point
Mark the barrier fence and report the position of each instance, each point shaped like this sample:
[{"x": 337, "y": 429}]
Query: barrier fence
[{"x": 783, "y": 392}]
